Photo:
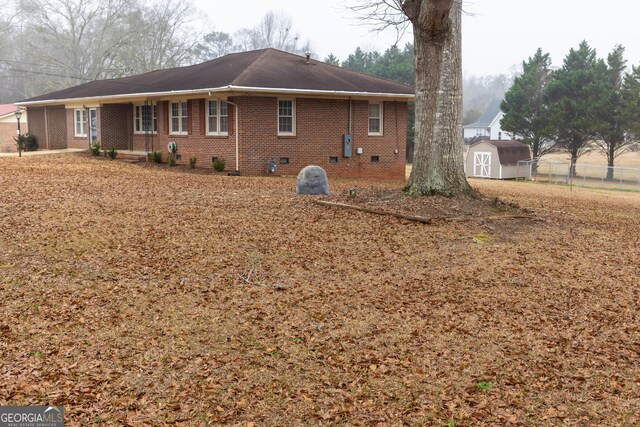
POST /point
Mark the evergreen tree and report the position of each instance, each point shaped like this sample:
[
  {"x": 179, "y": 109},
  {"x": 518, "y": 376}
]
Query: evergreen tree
[
  {"x": 525, "y": 111},
  {"x": 612, "y": 123},
  {"x": 631, "y": 103},
  {"x": 573, "y": 96},
  {"x": 331, "y": 59},
  {"x": 359, "y": 61}
]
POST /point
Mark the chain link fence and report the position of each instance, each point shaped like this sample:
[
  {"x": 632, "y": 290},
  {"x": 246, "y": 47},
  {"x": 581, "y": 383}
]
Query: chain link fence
[{"x": 585, "y": 175}]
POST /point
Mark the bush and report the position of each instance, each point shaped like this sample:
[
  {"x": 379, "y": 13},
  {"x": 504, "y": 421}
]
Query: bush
[
  {"x": 192, "y": 162},
  {"x": 113, "y": 153},
  {"x": 171, "y": 160},
  {"x": 156, "y": 157},
  {"x": 218, "y": 165},
  {"x": 26, "y": 142},
  {"x": 95, "y": 148}
]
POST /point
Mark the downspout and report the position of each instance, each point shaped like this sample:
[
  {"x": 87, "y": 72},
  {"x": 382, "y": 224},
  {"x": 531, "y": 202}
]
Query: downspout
[
  {"x": 237, "y": 113},
  {"x": 350, "y": 114},
  {"x": 46, "y": 127}
]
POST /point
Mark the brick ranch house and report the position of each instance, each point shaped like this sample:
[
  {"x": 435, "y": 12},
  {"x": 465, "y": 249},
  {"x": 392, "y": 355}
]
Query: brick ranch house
[{"x": 247, "y": 108}]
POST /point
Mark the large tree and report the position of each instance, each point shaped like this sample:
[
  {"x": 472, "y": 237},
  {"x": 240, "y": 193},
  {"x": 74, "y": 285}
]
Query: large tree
[
  {"x": 631, "y": 103},
  {"x": 574, "y": 96},
  {"x": 613, "y": 123},
  {"x": 275, "y": 30},
  {"x": 525, "y": 111},
  {"x": 439, "y": 144},
  {"x": 61, "y": 43}
]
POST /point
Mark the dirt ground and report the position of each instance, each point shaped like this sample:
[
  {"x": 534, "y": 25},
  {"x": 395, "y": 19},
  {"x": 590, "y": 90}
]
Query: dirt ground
[{"x": 147, "y": 296}]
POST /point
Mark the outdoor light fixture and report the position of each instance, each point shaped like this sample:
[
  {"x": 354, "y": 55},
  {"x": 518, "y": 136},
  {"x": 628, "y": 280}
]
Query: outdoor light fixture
[{"x": 18, "y": 115}]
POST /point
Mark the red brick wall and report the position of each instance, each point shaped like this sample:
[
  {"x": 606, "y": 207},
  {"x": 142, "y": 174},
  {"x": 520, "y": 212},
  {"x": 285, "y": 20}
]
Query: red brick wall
[
  {"x": 320, "y": 124},
  {"x": 8, "y": 131},
  {"x": 196, "y": 144}
]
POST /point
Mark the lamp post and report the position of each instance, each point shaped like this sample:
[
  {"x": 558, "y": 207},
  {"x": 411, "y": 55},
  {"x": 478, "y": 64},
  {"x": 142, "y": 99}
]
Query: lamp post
[{"x": 18, "y": 115}]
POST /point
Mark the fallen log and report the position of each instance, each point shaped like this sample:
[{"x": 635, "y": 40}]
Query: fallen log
[{"x": 422, "y": 219}]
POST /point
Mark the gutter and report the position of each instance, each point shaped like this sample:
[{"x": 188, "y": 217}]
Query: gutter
[
  {"x": 237, "y": 114},
  {"x": 229, "y": 88}
]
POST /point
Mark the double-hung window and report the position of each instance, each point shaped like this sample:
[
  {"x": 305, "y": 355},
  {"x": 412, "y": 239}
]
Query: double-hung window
[
  {"x": 145, "y": 118},
  {"x": 80, "y": 121},
  {"x": 217, "y": 117},
  {"x": 375, "y": 119},
  {"x": 178, "y": 119},
  {"x": 286, "y": 117}
]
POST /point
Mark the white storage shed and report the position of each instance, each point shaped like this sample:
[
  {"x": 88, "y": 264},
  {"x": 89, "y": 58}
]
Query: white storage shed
[{"x": 497, "y": 160}]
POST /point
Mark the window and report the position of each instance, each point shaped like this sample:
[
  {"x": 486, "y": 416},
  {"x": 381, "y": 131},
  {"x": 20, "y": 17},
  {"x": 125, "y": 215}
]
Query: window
[
  {"x": 286, "y": 117},
  {"x": 333, "y": 159},
  {"x": 375, "y": 159},
  {"x": 284, "y": 160},
  {"x": 145, "y": 118},
  {"x": 375, "y": 119},
  {"x": 178, "y": 118},
  {"x": 217, "y": 117},
  {"x": 80, "y": 121}
]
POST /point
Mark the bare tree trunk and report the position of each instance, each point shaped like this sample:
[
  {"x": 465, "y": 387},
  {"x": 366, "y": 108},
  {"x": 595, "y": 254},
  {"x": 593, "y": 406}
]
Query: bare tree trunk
[
  {"x": 611, "y": 158},
  {"x": 439, "y": 143}
]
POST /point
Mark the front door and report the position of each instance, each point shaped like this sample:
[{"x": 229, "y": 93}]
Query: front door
[
  {"x": 93, "y": 125},
  {"x": 482, "y": 164}
]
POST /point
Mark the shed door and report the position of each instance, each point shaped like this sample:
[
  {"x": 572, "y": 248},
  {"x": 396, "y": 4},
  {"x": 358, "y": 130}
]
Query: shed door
[{"x": 482, "y": 164}]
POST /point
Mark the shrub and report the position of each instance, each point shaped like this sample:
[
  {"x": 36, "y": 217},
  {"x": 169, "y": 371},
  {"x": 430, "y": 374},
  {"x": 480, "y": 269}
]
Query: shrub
[
  {"x": 26, "y": 142},
  {"x": 113, "y": 153},
  {"x": 171, "y": 160},
  {"x": 218, "y": 165},
  {"x": 95, "y": 148},
  {"x": 156, "y": 157},
  {"x": 192, "y": 162}
]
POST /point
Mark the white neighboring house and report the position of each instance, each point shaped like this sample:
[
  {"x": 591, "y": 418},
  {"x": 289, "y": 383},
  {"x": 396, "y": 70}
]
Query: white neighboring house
[{"x": 488, "y": 126}]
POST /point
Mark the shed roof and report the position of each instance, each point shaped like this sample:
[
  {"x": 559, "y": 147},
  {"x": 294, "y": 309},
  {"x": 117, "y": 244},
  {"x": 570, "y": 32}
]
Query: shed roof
[
  {"x": 267, "y": 69},
  {"x": 510, "y": 152}
]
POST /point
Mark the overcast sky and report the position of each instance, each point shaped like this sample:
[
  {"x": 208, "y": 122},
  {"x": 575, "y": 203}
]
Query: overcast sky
[{"x": 497, "y": 34}]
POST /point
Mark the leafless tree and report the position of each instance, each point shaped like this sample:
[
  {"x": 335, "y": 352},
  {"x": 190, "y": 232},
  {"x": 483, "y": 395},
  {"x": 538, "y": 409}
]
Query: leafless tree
[
  {"x": 61, "y": 43},
  {"x": 163, "y": 36},
  {"x": 213, "y": 45},
  {"x": 276, "y": 31},
  {"x": 436, "y": 24}
]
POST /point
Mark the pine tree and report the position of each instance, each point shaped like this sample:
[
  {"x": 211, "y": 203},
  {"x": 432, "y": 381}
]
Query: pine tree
[
  {"x": 525, "y": 111},
  {"x": 573, "y": 96},
  {"x": 612, "y": 124}
]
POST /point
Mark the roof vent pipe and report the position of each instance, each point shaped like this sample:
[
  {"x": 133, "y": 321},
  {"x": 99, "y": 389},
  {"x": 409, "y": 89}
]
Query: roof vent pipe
[{"x": 308, "y": 54}]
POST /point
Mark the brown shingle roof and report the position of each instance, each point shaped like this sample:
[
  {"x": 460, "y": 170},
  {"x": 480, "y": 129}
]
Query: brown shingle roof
[
  {"x": 265, "y": 69},
  {"x": 509, "y": 152}
]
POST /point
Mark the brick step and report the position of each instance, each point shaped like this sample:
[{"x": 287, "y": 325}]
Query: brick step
[{"x": 131, "y": 157}]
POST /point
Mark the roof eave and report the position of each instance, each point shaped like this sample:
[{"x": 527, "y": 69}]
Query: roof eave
[{"x": 230, "y": 88}]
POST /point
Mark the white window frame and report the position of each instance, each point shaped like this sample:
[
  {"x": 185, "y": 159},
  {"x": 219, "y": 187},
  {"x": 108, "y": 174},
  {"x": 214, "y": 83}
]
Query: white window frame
[
  {"x": 217, "y": 116},
  {"x": 181, "y": 116},
  {"x": 82, "y": 122},
  {"x": 380, "y": 117},
  {"x": 293, "y": 117},
  {"x": 137, "y": 119}
]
